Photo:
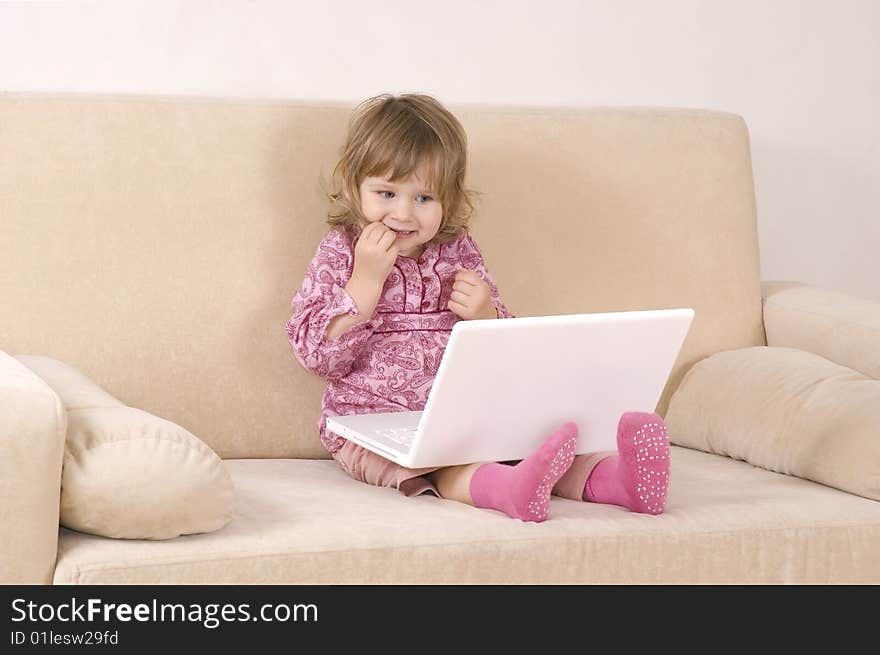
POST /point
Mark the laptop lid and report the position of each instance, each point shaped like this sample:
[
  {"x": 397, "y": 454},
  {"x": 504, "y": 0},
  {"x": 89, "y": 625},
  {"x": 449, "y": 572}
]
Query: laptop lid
[{"x": 504, "y": 385}]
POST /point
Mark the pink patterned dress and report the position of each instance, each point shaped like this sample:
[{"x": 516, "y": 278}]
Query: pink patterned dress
[{"x": 386, "y": 364}]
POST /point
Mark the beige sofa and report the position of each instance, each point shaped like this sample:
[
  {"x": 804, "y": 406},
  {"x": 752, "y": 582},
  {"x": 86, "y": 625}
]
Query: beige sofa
[{"x": 155, "y": 244}]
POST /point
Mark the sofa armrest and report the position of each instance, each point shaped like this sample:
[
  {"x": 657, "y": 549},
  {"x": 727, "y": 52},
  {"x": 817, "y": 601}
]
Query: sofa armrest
[
  {"x": 33, "y": 425},
  {"x": 844, "y": 329}
]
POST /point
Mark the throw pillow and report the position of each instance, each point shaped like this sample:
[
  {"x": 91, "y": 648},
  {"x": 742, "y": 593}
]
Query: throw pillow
[
  {"x": 786, "y": 410},
  {"x": 130, "y": 474}
]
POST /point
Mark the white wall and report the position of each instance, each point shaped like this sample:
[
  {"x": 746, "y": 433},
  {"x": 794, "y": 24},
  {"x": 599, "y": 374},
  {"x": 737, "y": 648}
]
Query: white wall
[{"x": 803, "y": 73}]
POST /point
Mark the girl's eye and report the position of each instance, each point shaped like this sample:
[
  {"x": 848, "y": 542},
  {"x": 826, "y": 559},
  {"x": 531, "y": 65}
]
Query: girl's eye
[{"x": 390, "y": 194}]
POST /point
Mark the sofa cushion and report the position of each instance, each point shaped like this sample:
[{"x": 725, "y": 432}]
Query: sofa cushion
[
  {"x": 837, "y": 326},
  {"x": 32, "y": 428},
  {"x": 308, "y": 522},
  {"x": 128, "y": 473},
  {"x": 785, "y": 410}
]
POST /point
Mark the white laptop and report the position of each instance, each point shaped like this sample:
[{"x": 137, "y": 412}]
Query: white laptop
[{"x": 504, "y": 385}]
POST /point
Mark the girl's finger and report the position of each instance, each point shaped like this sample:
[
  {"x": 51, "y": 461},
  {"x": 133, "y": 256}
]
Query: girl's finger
[
  {"x": 369, "y": 232},
  {"x": 386, "y": 240},
  {"x": 467, "y": 275},
  {"x": 386, "y": 236},
  {"x": 458, "y": 297},
  {"x": 374, "y": 231},
  {"x": 464, "y": 287},
  {"x": 456, "y": 307}
]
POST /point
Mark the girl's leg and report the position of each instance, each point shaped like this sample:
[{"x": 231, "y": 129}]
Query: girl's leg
[
  {"x": 571, "y": 485},
  {"x": 521, "y": 491},
  {"x": 637, "y": 477},
  {"x": 454, "y": 482}
]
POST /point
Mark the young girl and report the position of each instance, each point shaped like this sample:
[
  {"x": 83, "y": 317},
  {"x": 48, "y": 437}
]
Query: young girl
[{"x": 374, "y": 313}]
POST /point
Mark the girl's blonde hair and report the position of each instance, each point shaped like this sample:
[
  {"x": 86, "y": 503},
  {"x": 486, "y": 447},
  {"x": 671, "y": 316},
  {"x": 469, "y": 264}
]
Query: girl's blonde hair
[{"x": 395, "y": 135}]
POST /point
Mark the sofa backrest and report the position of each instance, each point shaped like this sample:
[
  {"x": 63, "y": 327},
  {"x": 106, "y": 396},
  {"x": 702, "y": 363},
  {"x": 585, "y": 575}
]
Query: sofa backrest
[{"x": 156, "y": 243}]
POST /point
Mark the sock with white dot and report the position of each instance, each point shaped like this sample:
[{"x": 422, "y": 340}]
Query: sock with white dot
[
  {"x": 523, "y": 491},
  {"x": 638, "y": 476}
]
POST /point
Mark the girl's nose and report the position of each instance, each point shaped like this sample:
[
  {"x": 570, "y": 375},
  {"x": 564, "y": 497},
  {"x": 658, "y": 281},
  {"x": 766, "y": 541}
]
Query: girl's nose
[{"x": 402, "y": 210}]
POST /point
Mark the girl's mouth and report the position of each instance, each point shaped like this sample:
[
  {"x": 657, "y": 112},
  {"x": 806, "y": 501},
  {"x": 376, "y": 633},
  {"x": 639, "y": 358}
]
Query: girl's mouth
[{"x": 403, "y": 234}]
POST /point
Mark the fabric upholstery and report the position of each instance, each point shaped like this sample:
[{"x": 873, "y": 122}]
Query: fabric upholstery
[
  {"x": 785, "y": 410},
  {"x": 32, "y": 429},
  {"x": 127, "y": 473},
  {"x": 307, "y": 522},
  {"x": 839, "y": 327}
]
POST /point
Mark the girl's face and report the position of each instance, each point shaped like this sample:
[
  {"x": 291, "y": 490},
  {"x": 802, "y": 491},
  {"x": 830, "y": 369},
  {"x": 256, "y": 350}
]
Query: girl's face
[{"x": 408, "y": 207}]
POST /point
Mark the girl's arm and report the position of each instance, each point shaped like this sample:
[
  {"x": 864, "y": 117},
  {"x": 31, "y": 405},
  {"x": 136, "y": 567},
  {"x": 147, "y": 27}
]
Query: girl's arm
[
  {"x": 365, "y": 295},
  {"x": 324, "y": 299},
  {"x": 472, "y": 258}
]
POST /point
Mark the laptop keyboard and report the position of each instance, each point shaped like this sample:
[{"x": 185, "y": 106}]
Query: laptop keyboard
[{"x": 402, "y": 436}]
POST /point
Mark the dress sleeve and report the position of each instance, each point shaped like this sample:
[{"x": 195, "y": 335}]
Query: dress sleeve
[
  {"x": 321, "y": 298},
  {"x": 472, "y": 258}
]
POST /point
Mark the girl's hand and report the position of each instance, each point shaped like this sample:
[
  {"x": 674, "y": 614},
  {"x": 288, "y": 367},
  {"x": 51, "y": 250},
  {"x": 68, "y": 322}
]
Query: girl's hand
[
  {"x": 375, "y": 254},
  {"x": 471, "y": 297}
]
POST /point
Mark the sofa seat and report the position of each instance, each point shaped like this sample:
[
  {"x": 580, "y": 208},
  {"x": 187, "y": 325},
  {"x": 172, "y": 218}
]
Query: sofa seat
[{"x": 306, "y": 522}]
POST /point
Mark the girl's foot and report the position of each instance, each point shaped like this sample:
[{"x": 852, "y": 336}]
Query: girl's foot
[
  {"x": 523, "y": 491},
  {"x": 638, "y": 476}
]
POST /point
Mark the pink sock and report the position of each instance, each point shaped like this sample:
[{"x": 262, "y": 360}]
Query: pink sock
[
  {"x": 523, "y": 491},
  {"x": 638, "y": 476}
]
